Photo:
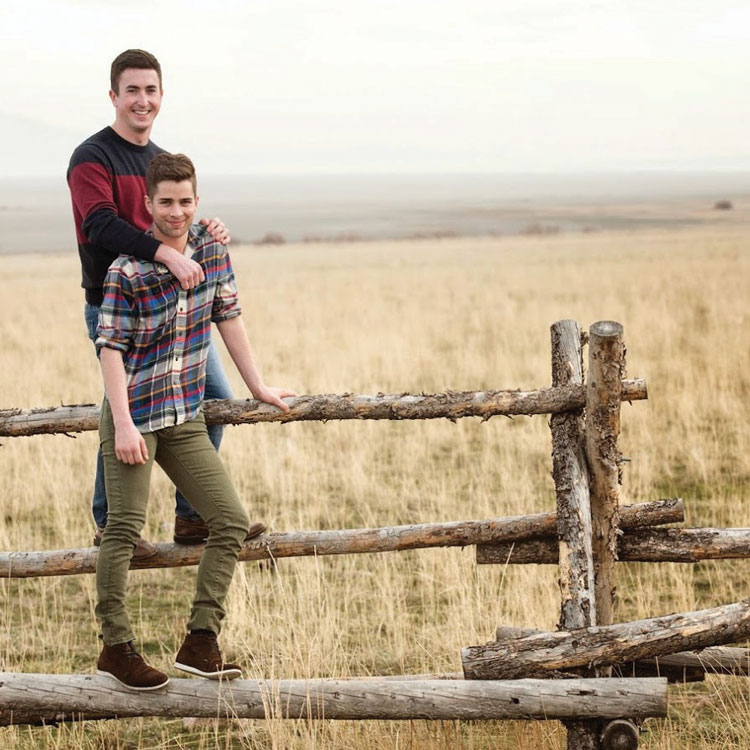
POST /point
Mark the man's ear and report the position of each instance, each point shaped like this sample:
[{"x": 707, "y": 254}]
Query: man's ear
[
  {"x": 149, "y": 205},
  {"x": 113, "y": 98},
  {"x": 197, "y": 200}
]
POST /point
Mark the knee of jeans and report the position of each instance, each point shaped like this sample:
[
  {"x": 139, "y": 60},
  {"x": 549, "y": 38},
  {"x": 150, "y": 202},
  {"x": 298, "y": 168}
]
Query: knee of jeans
[{"x": 234, "y": 524}]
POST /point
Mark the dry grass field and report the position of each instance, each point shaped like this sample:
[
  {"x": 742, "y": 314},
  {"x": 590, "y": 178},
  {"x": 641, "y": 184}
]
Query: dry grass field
[{"x": 399, "y": 316}]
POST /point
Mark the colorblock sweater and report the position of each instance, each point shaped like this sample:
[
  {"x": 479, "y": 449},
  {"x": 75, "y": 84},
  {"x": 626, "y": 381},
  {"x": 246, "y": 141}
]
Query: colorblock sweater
[{"x": 107, "y": 181}]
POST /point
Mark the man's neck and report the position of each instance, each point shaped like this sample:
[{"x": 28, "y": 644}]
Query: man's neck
[
  {"x": 178, "y": 243},
  {"x": 137, "y": 138}
]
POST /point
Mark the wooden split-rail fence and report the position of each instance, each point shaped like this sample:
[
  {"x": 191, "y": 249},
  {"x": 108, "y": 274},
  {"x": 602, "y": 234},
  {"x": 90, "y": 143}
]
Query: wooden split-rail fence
[{"x": 601, "y": 678}]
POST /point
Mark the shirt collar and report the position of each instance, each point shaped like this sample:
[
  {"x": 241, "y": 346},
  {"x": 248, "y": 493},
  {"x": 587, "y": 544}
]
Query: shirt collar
[{"x": 196, "y": 233}]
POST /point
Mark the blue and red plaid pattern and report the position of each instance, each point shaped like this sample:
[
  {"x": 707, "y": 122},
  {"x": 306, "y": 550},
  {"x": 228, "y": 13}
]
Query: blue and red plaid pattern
[{"x": 164, "y": 331}]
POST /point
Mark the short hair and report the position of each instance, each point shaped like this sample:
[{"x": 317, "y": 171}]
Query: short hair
[
  {"x": 132, "y": 58},
  {"x": 171, "y": 167}
]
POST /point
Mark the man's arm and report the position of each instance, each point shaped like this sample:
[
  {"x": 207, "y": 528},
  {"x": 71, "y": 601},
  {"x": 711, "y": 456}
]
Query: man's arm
[
  {"x": 90, "y": 182},
  {"x": 91, "y": 191},
  {"x": 235, "y": 337},
  {"x": 130, "y": 447}
]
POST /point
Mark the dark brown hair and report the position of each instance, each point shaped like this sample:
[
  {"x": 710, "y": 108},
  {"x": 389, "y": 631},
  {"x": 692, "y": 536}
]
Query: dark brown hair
[
  {"x": 132, "y": 58},
  {"x": 172, "y": 167}
]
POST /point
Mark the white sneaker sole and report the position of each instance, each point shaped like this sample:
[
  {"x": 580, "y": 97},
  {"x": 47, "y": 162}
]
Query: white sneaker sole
[
  {"x": 225, "y": 674},
  {"x": 131, "y": 687}
]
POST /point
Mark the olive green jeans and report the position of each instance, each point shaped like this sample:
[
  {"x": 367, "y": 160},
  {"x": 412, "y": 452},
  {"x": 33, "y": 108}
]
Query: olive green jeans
[{"x": 192, "y": 463}]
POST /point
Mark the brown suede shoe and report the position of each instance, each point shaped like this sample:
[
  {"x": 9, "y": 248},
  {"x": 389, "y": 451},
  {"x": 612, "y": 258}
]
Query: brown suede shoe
[
  {"x": 125, "y": 665},
  {"x": 200, "y": 655},
  {"x": 142, "y": 550},
  {"x": 187, "y": 531}
]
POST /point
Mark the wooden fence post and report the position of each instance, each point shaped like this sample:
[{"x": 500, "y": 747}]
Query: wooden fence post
[
  {"x": 569, "y": 471},
  {"x": 576, "y": 566},
  {"x": 606, "y": 368}
]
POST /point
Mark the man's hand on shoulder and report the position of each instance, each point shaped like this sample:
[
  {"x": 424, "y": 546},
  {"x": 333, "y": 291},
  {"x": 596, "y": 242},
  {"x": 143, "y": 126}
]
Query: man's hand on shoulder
[
  {"x": 217, "y": 230},
  {"x": 273, "y": 396},
  {"x": 187, "y": 271}
]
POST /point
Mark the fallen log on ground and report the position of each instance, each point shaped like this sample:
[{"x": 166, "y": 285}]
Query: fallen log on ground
[
  {"x": 335, "y": 542},
  {"x": 325, "y": 407},
  {"x": 551, "y": 653},
  {"x": 98, "y": 696},
  {"x": 635, "y": 545}
]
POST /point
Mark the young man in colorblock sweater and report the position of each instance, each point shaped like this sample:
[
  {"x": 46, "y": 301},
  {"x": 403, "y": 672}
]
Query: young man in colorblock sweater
[
  {"x": 153, "y": 340},
  {"x": 106, "y": 177}
]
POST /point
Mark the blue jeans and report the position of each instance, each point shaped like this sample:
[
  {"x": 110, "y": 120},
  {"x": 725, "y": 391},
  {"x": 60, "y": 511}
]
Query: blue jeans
[{"x": 217, "y": 386}]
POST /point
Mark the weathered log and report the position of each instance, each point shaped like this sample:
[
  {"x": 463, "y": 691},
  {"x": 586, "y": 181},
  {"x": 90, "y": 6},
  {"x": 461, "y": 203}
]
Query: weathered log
[
  {"x": 603, "y": 395},
  {"x": 634, "y": 545},
  {"x": 343, "y": 542},
  {"x": 576, "y": 571},
  {"x": 448, "y": 405},
  {"x": 685, "y": 545},
  {"x": 690, "y": 666},
  {"x": 716, "y": 660},
  {"x": 684, "y": 666},
  {"x": 53, "y": 718},
  {"x": 606, "y": 645},
  {"x": 570, "y": 473},
  {"x": 620, "y": 734},
  {"x": 337, "y": 699}
]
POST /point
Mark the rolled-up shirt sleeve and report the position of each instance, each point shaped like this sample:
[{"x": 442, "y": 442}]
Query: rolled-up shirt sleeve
[
  {"x": 117, "y": 317},
  {"x": 226, "y": 302}
]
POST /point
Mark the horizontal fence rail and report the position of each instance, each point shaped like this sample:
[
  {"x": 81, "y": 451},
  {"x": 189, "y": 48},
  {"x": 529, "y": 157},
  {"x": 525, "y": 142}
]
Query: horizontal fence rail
[
  {"x": 336, "y": 542},
  {"x": 448, "y": 405},
  {"x": 32, "y": 695},
  {"x": 678, "y": 545}
]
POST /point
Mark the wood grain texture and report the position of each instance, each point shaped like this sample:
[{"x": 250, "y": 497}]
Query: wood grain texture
[
  {"x": 328, "y": 542},
  {"x": 325, "y": 407},
  {"x": 576, "y": 565},
  {"x": 576, "y": 573},
  {"x": 684, "y": 666},
  {"x": 97, "y": 696},
  {"x": 605, "y": 645},
  {"x": 635, "y": 545},
  {"x": 603, "y": 395}
]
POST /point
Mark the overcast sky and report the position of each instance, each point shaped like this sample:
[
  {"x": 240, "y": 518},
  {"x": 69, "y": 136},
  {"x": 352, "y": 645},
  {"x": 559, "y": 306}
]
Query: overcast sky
[{"x": 300, "y": 86}]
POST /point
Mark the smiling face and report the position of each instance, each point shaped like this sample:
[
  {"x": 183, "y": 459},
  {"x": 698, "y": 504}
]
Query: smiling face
[
  {"x": 173, "y": 206},
  {"x": 137, "y": 102}
]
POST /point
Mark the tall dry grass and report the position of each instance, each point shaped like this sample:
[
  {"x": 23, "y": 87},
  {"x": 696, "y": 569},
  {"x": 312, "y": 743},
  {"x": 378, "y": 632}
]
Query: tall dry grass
[{"x": 400, "y": 316}]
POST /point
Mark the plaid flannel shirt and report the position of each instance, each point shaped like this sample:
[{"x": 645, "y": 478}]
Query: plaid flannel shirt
[{"x": 164, "y": 331}]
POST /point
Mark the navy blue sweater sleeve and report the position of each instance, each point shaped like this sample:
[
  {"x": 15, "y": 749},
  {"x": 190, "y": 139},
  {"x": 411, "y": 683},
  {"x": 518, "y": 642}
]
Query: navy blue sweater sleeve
[
  {"x": 91, "y": 189},
  {"x": 105, "y": 228}
]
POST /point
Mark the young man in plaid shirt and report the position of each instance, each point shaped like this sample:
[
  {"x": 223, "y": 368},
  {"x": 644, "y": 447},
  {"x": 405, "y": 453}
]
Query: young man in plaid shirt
[
  {"x": 107, "y": 180},
  {"x": 153, "y": 341}
]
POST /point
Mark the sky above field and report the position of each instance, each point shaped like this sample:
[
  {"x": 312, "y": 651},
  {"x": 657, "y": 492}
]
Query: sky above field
[{"x": 347, "y": 86}]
